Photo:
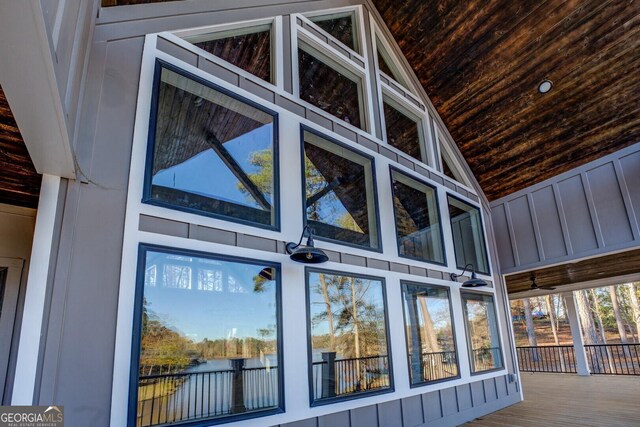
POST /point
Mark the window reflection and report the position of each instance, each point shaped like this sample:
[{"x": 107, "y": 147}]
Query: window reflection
[
  {"x": 403, "y": 132},
  {"x": 482, "y": 332},
  {"x": 339, "y": 191},
  {"x": 417, "y": 219},
  {"x": 340, "y": 26},
  {"x": 212, "y": 153},
  {"x": 209, "y": 339},
  {"x": 348, "y": 335},
  {"x": 430, "y": 337},
  {"x": 468, "y": 236}
]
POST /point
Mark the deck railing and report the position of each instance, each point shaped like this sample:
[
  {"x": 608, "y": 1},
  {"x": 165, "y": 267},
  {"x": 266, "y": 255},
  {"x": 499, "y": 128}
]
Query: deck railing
[
  {"x": 611, "y": 359},
  {"x": 333, "y": 377},
  {"x": 436, "y": 366},
  {"x": 487, "y": 358},
  {"x": 171, "y": 398}
]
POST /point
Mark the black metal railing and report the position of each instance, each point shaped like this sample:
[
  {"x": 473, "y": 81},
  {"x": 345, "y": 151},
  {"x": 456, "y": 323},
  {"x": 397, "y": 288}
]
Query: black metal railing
[
  {"x": 485, "y": 359},
  {"x": 557, "y": 358},
  {"x": 333, "y": 377},
  {"x": 611, "y": 359},
  {"x": 614, "y": 359},
  {"x": 178, "y": 397},
  {"x": 436, "y": 366}
]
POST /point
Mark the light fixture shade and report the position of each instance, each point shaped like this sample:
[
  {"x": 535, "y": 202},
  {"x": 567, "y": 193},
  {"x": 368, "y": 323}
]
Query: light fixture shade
[
  {"x": 309, "y": 255},
  {"x": 474, "y": 282}
]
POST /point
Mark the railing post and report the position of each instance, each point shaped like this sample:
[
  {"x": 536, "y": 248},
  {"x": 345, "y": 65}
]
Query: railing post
[
  {"x": 582, "y": 367},
  {"x": 238, "y": 386},
  {"x": 329, "y": 374}
]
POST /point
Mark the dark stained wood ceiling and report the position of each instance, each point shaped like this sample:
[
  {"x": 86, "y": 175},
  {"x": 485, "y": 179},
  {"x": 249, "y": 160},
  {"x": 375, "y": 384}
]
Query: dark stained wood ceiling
[
  {"x": 480, "y": 63},
  {"x": 604, "y": 267},
  {"x": 19, "y": 181}
]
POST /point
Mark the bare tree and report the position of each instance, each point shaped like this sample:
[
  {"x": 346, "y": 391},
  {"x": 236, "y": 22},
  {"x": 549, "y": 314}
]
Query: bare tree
[
  {"x": 616, "y": 311},
  {"x": 552, "y": 317},
  {"x": 635, "y": 307},
  {"x": 589, "y": 329},
  {"x": 531, "y": 331},
  {"x": 597, "y": 310}
]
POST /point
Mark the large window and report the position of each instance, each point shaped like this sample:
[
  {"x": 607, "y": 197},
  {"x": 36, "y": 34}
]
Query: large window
[
  {"x": 482, "y": 332},
  {"x": 340, "y": 202},
  {"x": 417, "y": 219},
  {"x": 348, "y": 346},
  {"x": 208, "y": 338},
  {"x": 430, "y": 336},
  {"x": 330, "y": 86},
  {"x": 211, "y": 153},
  {"x": 468, "y": 235}
]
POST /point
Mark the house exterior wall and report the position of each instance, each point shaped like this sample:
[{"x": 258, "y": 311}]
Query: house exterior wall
[
  {"x": 85, "y": 353},
  {"x": 589, "y": 211}
]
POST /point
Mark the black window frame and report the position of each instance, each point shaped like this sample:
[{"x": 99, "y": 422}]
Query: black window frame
[
  {"x": 305, "y": 128},
  {"x": 406, "y": 337},
  {"x": 465, "y": 318},
  {"x": 356, "y": 395},
  {"x": 151, "y": 142},
  {"x": 136, "y": 339},
  {"x": 484, "y": 239},
  {"x": 393, "y": 169}
]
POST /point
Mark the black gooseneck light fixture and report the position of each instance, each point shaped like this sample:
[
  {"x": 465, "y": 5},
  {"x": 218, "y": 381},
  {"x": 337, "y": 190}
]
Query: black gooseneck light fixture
[
  {"x": 306, "y": 254},
  {"x": 474, "y": 282}
]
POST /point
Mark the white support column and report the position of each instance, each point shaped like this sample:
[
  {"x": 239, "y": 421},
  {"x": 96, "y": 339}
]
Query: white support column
[
  {"x": 30, "y": 331},
  {"x": 576, "y": 332}
]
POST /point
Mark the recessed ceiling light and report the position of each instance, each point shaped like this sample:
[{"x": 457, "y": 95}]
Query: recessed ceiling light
[{"x": 545, "y": 86}]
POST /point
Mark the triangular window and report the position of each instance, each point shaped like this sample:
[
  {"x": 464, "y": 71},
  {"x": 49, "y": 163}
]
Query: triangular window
[
  {"x": 341, "y": 26},
  {"x": 246, "y": 48},
  {"x": 387, "y": 65}
]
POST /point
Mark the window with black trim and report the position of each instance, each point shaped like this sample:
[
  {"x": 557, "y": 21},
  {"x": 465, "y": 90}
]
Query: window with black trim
[
  {"x": 403, "y": 129},
  {"x": 431, "y": 344},
  {"x": 211, "y": 152},
  {"x": 348, "y": 347},
  {"x": 330, "y": 86},
  {"x": 417, "y": 219},
  {"x": 468, "y": 235},
  {"x": 207, "y": 338},
  {"x": 339, "y": 192},
  {"x": 485, "y": 351},
  {"x": 248, "y": 48}
]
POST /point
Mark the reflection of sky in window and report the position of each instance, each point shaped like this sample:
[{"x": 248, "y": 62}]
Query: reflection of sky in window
[
  {"x": 439, "y": 312},
  {"x": 208, "y": 312},
  {"x": 206, "y": 174}
]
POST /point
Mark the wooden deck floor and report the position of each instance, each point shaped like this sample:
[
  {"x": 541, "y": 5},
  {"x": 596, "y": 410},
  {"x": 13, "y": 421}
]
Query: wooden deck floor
[{"x": 563, "y": 400}]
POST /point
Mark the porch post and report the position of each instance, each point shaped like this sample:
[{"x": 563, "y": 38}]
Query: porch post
[{"x": 582, "y": 367}]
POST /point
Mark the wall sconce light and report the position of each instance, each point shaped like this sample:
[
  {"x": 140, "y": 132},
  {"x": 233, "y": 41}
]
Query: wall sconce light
[
  {"x": 306, "y": 254},
  {"x": 474, "y": 282}
]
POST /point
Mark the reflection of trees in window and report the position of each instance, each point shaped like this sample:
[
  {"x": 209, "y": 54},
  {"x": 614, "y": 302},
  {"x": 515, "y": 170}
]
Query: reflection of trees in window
[
  {"x": 214, "y": 342},
  {"x": 339, "y": 193},
  {"x": 430, "y": 338},
  {"x": 212, "y": 153},
  {"x": 402, "y": 131},
  {"x": 468, "y": 236},
  {"x": 340, "y": 26},
  {"x": 482, "y": 332},
  {"x": 348, "y": 332}
]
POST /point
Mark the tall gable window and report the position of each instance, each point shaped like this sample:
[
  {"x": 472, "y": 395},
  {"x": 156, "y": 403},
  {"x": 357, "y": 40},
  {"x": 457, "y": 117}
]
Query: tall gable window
[
  {"x": 403, "y": 129},
  {"x": 341, "y": 26},
  {"x": 330, "y": 86},
  {"x": 386, "y": 64},
  {"x": 202, "y": 354},
  {"x": 211, "y": 153},
  {"x": 417, "y": 216},
  {"x": 340, "y": 202},
  {"x": 468, "y": 235},
  {"x": 247, "y": 48}
]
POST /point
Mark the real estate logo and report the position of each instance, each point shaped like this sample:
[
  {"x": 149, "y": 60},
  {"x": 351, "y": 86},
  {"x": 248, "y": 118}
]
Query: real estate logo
[{"x": 31, "y": 416}]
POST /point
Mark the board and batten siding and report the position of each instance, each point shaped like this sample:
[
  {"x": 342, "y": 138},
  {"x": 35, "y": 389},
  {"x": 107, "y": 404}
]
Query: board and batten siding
[{"x": 589, "y": 211}]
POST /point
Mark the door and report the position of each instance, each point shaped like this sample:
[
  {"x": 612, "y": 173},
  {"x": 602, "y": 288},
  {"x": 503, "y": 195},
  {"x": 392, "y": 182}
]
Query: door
[{"x": 10, "y": 274}]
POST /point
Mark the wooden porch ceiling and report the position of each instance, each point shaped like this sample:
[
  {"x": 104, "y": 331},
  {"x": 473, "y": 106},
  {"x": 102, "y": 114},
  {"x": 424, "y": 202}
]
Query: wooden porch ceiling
[
  {"x": 559, "y": 276},
  {"x": 19, "y": 181}
]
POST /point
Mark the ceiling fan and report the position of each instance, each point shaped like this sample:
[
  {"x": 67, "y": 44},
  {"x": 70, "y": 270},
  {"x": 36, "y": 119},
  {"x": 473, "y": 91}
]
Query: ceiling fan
[{"x": 535, "y": 287}]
